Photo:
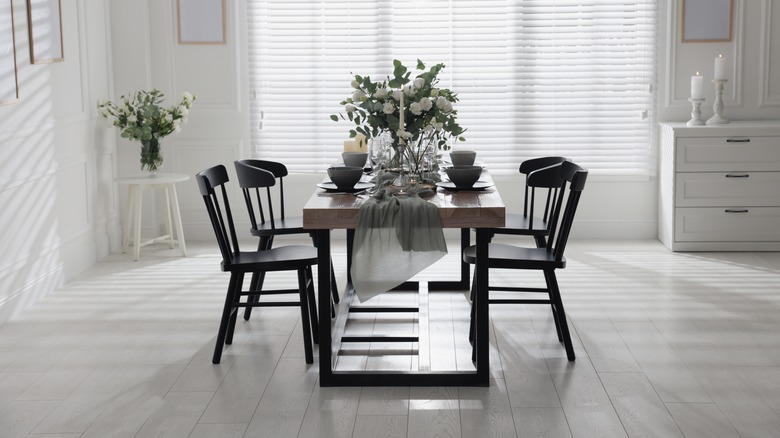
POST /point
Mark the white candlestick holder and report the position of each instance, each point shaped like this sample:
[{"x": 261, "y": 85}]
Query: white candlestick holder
[
  {"x": 718, "y": 118},
  {"x": 695, "y": 112}
]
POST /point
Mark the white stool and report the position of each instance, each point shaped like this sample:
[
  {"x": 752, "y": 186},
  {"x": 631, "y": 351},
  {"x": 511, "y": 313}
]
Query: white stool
[{"x": 135, "y": 193}]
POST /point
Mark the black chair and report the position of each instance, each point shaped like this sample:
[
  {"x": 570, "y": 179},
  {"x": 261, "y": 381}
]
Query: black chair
[
  {"x": 528, "y": 223},
  {"x": 270, "y": 224},
  {"x": 547, "y": 258},
  {"x": 300, "y": 258}
]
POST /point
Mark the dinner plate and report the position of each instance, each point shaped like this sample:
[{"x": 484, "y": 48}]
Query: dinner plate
[
  {"x": 330, "y": 187},
  {"x": 449, "y": 185}
]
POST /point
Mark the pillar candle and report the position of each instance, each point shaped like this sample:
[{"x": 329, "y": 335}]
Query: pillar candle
[
  {"x": 720, "y": 67},
  {"x": 697, "y": 86}
]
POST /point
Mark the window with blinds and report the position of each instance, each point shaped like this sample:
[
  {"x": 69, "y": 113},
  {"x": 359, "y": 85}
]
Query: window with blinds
[{"x": 534, "y": 77}]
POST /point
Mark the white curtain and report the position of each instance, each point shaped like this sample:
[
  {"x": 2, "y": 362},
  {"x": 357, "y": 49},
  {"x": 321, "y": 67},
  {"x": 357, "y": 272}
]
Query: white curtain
[{"x": 534, "y": 77}]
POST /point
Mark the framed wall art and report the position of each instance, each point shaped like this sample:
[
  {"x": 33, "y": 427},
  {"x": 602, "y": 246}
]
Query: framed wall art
[
  {"x": 9, "y": 83},
  {"x": 201, "y": 21},
  {"x": 45, "y": 21},
  {"x": 706, "y": 21}
]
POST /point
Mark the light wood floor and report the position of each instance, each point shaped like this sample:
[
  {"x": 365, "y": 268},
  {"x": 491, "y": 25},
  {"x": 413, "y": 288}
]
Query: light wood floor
[{"x": 668, "y": 345}]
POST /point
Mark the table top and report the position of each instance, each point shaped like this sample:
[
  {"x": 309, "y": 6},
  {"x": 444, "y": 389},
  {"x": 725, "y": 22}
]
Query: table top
[
  {"x": 160, "y": 178},
  {"x": 463, "y": 209}
]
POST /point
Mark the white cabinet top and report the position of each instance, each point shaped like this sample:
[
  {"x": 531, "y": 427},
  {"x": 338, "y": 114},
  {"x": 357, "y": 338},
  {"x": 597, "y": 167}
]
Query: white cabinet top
[{"x": 743, "y": 128}]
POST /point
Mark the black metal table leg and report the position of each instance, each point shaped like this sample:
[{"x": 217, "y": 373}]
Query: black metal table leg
[{"x": 323, "y": 289}]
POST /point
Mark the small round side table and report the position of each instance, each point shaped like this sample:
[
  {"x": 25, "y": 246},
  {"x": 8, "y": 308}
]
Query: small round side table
[{"x": 135, "y": 191}]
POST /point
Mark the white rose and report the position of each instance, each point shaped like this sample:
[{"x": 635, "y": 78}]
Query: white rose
[
  {"x": 389, "y": 108},
  {"x": 184, "y": 119},
  {"x": 355, "y": 84},
  {"x": 428, "y": 129},
  {"x": 437, "y": 125},
  {"x": 415, "y": 108},
  {"x": 397, "y": 95},
  {"x": 434, "y": 92},
  {"x": 441, "y": 103},
  {"x": 358, "y": 96},
  {"x": 349, "y": 108},
  {"x": 426, "y": 104},
  {"x": 419, "y": 83},
  {"x": 188, "y": 96},
  {"x": 183, "y": 110},
  {"x": 381, "y": 93},
  {"x": 447, "y": 106},
  {"x": 408, "y": 91},
  {"x": 131, "y": 119}
]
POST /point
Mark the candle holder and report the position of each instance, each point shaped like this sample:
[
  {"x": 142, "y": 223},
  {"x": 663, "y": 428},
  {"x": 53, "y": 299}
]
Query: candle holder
[
  {"x": 695, "y": 112},
  {"x": 403, "y": 179},
  {"x": 718, "y": 118}
]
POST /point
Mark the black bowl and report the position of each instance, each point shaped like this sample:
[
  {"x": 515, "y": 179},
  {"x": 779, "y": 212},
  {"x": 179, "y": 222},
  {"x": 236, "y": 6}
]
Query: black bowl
[
  {"x": 463, "y": 158},
  {"x": 357, "y": 159},
  {"x": 345, "y": 177},
  {"x": 464, "y": 176}
]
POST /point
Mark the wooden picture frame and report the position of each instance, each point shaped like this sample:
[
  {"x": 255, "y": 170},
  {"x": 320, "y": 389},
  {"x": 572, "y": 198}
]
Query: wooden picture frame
[
  {"x": 9, "y": 80},
  {"x": 45, "y": 23},
  {"x": 706, "y": 21},
  {"x": 201, "y": 21}
]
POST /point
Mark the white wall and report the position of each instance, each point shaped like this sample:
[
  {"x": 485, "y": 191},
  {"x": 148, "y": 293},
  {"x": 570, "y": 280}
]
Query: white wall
[{"x": 55, "y": 181}]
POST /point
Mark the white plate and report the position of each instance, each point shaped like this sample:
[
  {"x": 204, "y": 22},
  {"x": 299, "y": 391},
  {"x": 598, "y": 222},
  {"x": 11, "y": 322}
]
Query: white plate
[{"x": 330, "y": 187}]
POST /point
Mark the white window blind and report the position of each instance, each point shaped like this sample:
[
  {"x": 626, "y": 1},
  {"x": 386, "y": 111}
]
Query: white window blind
[{"x": 534, "y": 77}]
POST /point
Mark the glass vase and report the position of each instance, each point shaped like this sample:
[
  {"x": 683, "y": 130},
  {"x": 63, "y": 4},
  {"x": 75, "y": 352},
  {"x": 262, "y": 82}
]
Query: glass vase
[{"x": 151, "y": 156}]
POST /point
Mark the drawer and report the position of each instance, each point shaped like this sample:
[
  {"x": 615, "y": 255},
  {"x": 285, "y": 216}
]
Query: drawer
[
  {"x": 712, "y": 154},
  {"x": 735, "y": 224},
  {"x": 714, "y": 189}
]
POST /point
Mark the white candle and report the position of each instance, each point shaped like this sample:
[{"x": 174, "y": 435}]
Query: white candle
[
  {"x": 697, "y": 86},
  {"x": 720, "y": 67}
]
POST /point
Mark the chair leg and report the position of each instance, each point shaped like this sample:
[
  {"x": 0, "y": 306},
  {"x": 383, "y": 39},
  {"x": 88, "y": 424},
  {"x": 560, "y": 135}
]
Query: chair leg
[
  {"x": 315, "y": 329},
  {"x": 234, "y": 312},
  {"x": 555, "y": 296},
  {"x": 557, "y": 321},
  {"x": 223, "y": 323},
  {"x": 258, "y": 278},
  {"x": 307, "y": 348}
]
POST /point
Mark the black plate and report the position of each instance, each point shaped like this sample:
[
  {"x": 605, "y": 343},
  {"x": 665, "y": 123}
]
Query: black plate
[
  {"x": 330, "y": 187},
  {"x": 449, "y": 185}
]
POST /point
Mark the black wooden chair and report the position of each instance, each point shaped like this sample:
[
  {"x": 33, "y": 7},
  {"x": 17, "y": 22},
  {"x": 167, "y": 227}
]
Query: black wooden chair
[
  {"x": 300, "y": 258},
  {"x": 266, "y": 224},
  {"x": 529, "y": 223},
  {"x": 547, "y": 258}
]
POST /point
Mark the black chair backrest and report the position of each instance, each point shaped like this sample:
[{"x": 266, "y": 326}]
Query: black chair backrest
[
  {"x": 211, "y": 183},
  {"x": 574, "y": 176},
  {"x": 254, "y": 175},
  {"x": 528, "y": 166},
  {"x": 279, "y": 171}
]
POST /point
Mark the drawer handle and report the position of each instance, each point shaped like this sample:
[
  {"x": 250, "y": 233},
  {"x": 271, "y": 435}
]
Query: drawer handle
[
  {"x": 732, "y": 210},
  {"x": 737, "y": 140},
  {"x": 737, "y": 175}
]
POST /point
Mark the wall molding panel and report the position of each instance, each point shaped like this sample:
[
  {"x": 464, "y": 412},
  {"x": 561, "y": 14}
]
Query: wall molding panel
[{"x": 770, "y": 53}]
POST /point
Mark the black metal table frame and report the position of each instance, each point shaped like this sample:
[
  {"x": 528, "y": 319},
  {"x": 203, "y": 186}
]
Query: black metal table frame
[{"x": 329, "y": 350}]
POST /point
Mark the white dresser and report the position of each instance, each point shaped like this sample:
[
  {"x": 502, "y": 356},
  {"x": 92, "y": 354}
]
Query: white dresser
[{"x": 719, "y": 187}]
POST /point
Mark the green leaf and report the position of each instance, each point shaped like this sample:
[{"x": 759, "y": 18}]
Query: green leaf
[
  {"x": 334, "y": 118},
  {"x": 352, "y": 133},
  {"x": 420, "y": 65}
]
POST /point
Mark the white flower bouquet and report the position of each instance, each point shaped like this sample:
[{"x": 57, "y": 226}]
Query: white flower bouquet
[{"x": 143, "y": 118}]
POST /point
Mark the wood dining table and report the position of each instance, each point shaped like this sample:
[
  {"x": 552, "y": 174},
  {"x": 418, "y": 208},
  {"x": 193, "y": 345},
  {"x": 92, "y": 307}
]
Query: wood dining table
[{"x": 464, "y": 210}]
